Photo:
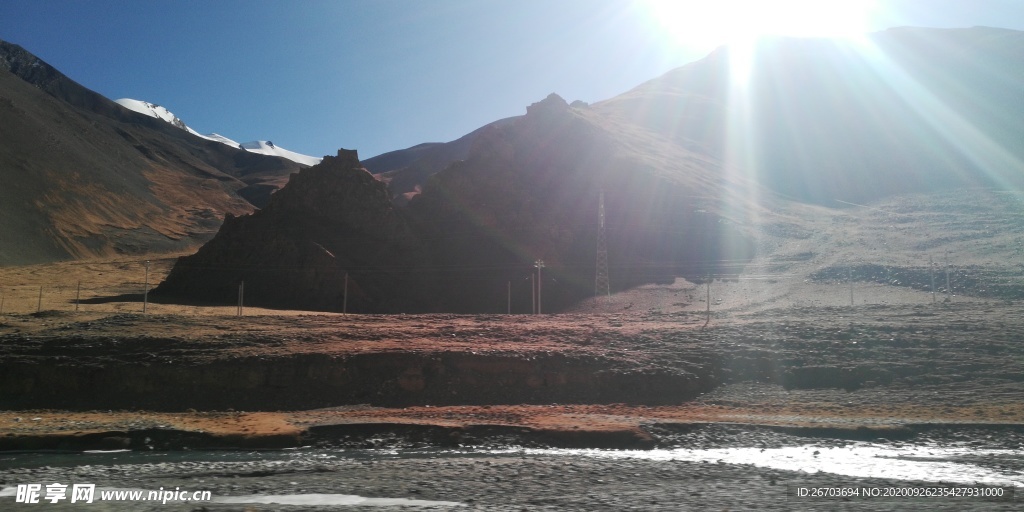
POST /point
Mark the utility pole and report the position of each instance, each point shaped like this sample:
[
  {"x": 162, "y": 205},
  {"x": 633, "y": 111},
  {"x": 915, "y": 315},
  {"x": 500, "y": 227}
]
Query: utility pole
[
  {"x": 931, "y": 265},
  {"x": 145, "y": 290},
  {"x": 949, "y": 292},
  {"x": 540, "y": 284},
  {"x": 849, "y": 277},
  {"x": 601, "y": 285},
  {"x": 39, "y": 305},
  {"x": 707, "y": 301},
  {"x": 78, "y": 295},
  {"x": 344, "y": 300}
]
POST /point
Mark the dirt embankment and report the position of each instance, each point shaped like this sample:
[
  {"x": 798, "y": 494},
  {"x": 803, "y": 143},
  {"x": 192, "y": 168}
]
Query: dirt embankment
[
  {"x": 474, "y": 377},
  {"x": 274, "y": 363},
  {"x": 174, "y": 363},
  {"x": 311, "y": 381}
]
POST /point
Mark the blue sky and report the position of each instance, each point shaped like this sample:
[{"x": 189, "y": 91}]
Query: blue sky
[{"x": 380, "y": 75}]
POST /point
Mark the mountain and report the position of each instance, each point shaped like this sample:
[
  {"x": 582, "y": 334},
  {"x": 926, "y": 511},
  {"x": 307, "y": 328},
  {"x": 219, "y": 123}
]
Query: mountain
[
  {"x": 695, "y": 166},
  {"x": 263, "y": 147},
  {"x": 83, "y": 176},
  {"x": 907, "y": 109},
  {"x": 527, "y": 190}
]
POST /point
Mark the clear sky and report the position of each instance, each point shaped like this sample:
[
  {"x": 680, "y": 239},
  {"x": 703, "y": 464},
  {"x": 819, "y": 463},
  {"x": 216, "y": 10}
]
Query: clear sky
[{"x": 380, "y": 75}]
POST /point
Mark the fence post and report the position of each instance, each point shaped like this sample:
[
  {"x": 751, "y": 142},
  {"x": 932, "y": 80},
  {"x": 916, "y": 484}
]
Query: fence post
[
  {"x": 241, "y": 296},
  {"x": 39, "y": 305},
  {"x": 78, "y": 295},
  {"x": 145, "y": 290}
]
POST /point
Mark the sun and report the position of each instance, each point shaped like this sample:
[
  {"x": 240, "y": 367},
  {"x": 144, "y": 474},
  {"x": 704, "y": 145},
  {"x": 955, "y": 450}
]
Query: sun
[{"x": 710, "y": 23}]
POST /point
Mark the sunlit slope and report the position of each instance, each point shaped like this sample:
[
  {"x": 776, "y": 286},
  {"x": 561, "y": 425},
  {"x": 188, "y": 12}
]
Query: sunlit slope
[
  {"x": 903, "y": 110},
  {"x": 76, "y": 185}
]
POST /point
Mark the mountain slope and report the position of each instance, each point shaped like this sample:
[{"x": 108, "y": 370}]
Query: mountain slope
[
  {"x": 527, "y": 190},
  {"x": 82, "y": 176},
  {"x": 905, "y": 110},
  {"x": 819, "y": 120}
]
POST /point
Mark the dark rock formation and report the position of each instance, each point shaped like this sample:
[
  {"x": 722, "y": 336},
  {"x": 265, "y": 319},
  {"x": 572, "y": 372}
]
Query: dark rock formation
[{"x": 330, "y": 220}]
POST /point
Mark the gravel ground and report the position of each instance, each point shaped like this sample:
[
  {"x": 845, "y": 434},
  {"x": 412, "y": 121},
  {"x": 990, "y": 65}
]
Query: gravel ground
[
  {"x": 509, "y": 481},
  {"x": 504, "y": 483}
]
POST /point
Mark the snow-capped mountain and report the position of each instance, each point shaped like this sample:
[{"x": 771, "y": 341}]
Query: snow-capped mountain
[
  {"x": 152, "y": 110},
  {"x": 263, "y": 147}
]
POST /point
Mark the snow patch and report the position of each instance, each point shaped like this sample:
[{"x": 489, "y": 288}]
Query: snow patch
[
  {"x": 266, "y": 147},
  {"x": 263, "y": 147},
  {"x": 153, "y": 110}
]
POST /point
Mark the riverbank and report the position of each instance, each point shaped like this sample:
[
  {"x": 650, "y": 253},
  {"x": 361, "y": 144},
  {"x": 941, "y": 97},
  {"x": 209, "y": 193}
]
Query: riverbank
[{"x": 860, "y": 415}]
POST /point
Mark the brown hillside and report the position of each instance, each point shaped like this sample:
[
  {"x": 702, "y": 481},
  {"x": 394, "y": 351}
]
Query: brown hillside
[{"x": 82, "y": 176}]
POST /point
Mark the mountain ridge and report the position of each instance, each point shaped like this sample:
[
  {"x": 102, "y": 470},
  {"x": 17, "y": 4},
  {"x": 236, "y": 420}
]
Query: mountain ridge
[{"x": 263, "y": 147}]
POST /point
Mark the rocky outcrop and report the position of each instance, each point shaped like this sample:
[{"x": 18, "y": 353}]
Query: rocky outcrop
[{"x": 332, "y": 226}]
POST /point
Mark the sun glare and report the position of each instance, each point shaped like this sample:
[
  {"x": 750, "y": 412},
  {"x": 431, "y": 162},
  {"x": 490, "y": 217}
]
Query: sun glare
[{"x": 710, "y": 23}]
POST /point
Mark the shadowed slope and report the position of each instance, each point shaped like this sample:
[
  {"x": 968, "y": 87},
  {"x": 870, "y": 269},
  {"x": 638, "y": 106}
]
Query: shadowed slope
[{"x": 527, "y": 190}]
